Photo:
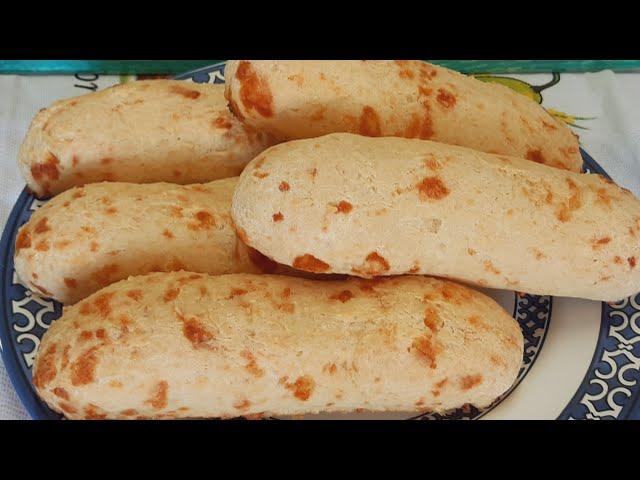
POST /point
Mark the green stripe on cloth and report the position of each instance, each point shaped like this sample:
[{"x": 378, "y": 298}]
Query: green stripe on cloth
[{"x": 149, "y": 67}]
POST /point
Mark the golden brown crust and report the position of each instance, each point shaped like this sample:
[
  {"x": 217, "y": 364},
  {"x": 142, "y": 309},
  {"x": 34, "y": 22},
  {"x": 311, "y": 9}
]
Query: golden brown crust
[
  {"x": 296, "y": 99},
  {"x": 265, "y": 344},
  {"x": 423, "y": 207},
  {"x": 144, "y": 131}
]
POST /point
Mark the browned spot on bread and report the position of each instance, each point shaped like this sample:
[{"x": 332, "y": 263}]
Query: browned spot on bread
[
  {"x": 106, "y": 161},
  {"x": 92, "y": 413},
  {"x": 413, "y": 129},
  {"x": 454, "y": 293},
  {"x": 309, "y": 263},
  {"x": 48, "y": 169},
  {"x": 88, "y": 229},
  {"x": 432, "y": 188},
  {"x": 471, "y": 251},
  {"x": 236, "y": 292},
  {"x": 260, "y": 174},
  {"x": 130, "y": 412},
  {"x": 431, "y": 162},
  {"x": 159, "y": 398},
  {"x": 124, "y": 321},
  {"x": 439, "y": 385},
  {"x": 286, "y": 307},
  {"x": 374, "y": 264},
  {"x": 498, "y": 361},
  {"x": 535, "y": 155},
  {"x": 184, "y": 91},
  {"x": 42, "y": 246},
  {"x": 426, "y": 72},
  {"x": 41, "y": 226},
  {"x": 446, "y": 98},
  {"x": 101, "y": 334},
  {"x": 603, "y": 197},
  {"x": 70, "y": 282},
  {"x": 115, "y": 384},
  {"x": 426, "y": 128},
  {"x": 284, "y": 187},
  {"x": 264, "y": 263},
  {"x": 222, "y": 122},
  {"x": 252, "y": 366},
  {"x": 330, "y": 368},
  {"x": 632, "y": 261},
  {"x": 78, "y": 193},
  {"x": 189, "y": 278},
  {"x": 62, "y": 244},
  {"x": 490, "y": 267},
  {"x": 549, "y": 126},
  {"x": 136, "y": 294},
  {"x": 102, "y": 303},
  {"x": 74, "y": 161},
  {"x": 432, "y": 319},
  {"x": 176, "y": 212},
  {"x": 415, "y": 268},
  {"x": 205, "y": 221},
  {"x": 286, "y": 293},
  {"x": 477, "y": 322},
  {"x": 65, "y": 407},
  {"x": 104, "y": 276},
  {"x": 369, "y": 123},
  {"x": 425, "y": 350},
  {"x": 23, "y": 240},
  {"x": 302, "y": 388},
  {"x": 111, "y": 211},
  {"x": 46, "y": 367},
  {"x": 171, "y": 294},
  {"x": 469, "y": 381},
  {"x": 298, "y": 78},
  {"x": 617, "y": 260},
  {"x": 197, "y": 334},
  {"x": 61, "y": 392},
  {"x": 83, "y": 369},
  {"x": 255, "y": 93},
  {"x": 343, "y": 207},
  {"x": 85, "y": 336},
  {"x": 86, "y": 308},
  {"x": 278, "y": 217},
  {"x": 167, "y": 233},
  {"x": 243, "y": 405},
  {"x": 368, "y": 285},
  {"x": 343, "y": 296},
  {"x": 548, "y": 199},
  {"x": 563, "y": 212},
  {"x": 597, "y": 243}
]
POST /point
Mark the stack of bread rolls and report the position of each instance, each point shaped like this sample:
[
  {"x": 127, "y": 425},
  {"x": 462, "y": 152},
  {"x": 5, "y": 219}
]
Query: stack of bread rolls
[{"x": 302, "y": 286}]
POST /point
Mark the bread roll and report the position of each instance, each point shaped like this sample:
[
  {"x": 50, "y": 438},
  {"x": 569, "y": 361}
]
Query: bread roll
[
  {"x": 296, "y": 99},
  {"x": 387, "y": 206},
  {"x": 143, "y": 131},
  {"x": 89, "y": 237},
  {"x": 173, "y": 345}
]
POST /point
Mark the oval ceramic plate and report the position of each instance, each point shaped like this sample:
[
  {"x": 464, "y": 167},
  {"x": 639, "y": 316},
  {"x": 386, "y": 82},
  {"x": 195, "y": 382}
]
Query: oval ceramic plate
[{"x": 581, "y": 358}]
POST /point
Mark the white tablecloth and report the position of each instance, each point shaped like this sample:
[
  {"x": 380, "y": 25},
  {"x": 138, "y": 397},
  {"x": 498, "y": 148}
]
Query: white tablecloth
[{"x": 608, "y": 104}]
